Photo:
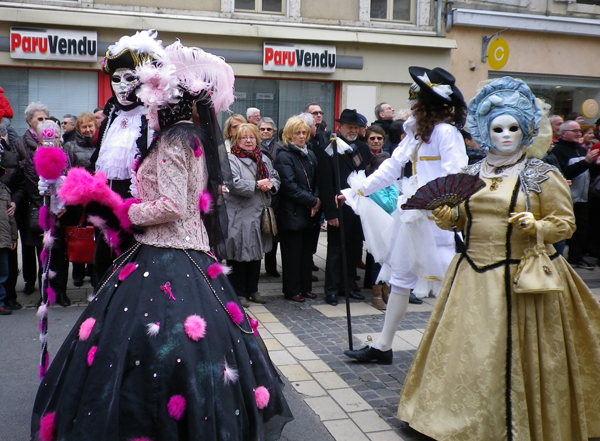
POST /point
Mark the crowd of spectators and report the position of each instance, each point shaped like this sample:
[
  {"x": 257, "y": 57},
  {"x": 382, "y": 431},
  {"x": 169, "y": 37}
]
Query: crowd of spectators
[{"x": 292, "y": 171}]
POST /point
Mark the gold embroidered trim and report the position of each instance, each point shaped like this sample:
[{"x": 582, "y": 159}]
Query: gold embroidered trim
[{"x": 430, "y": 158}]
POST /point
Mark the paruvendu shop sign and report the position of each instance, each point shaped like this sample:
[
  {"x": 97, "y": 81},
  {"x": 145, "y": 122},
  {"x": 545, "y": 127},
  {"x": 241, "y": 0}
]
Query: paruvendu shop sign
[
  {"x": 290, "y": 57},
  {"x": 53, "y": 44}
]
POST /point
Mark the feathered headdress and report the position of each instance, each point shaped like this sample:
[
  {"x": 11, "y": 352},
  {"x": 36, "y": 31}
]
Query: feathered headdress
[
  {"x": 131, "y": 51},
  {"x": 184, "y": 73}
]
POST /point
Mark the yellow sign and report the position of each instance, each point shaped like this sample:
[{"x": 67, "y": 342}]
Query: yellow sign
[
  {"x": 497, "y": 53},
  {"x": 589, "y": 108}
]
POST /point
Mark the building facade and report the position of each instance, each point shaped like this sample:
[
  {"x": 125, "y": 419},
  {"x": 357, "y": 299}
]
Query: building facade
[
  {"x": 285, "y": 53},
  {"x": 550, "y": 44}
]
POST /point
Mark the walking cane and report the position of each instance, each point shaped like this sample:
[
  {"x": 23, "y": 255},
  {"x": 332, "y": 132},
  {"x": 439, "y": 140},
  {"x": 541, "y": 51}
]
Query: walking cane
[{"x": 336, "y": 174}]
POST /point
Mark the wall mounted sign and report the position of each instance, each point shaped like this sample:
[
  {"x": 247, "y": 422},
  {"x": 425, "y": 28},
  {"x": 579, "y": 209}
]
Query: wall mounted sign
[
  {"x": 589, "y": 108},
  {"x": 290, "y": 57},
  {"x": 497, "y": 53},
  {"x": 53, "y": 44}
]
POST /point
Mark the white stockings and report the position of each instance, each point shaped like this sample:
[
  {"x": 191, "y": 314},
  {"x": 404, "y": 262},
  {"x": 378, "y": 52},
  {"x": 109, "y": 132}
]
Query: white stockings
[{"x": 396, "y": 308}]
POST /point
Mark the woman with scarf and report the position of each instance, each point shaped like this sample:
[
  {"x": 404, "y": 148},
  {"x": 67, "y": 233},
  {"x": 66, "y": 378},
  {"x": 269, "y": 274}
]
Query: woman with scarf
[
  {"x": 255, "y": 182},
  {"x": 298, "y": 205},
  {"x": 164, "y": 351},
  {"x": 497, "y": 362}
]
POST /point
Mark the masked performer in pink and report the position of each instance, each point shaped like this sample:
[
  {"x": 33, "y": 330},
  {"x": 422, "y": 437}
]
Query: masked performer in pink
[
  {"x": 164, "y": 351},
  {"x": 498, "y": 360}
]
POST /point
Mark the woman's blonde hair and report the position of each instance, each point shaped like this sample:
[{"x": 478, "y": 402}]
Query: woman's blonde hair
[
  {"x": 83, "y": 117},
  {"x": 294, "y": 125},
  {"x": 229, "y": 121},
  {"x": 246, "y": 126}
]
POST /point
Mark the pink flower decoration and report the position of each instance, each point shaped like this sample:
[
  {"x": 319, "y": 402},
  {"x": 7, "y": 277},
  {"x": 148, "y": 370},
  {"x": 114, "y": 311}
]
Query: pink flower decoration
[
  {"x": 86, "y": 328},
  {"x": 195, "y": 327},
  {"x": 217, "y": 268},
  {"x": 47, "y": 427},
  {"x": 234, "y": 311},
  {"x": 167, "y": 288},
  {"x": 50, "y": 162},
  {"x": 261, "y": 394},
  {"x": 205, "y": 202},
  {"x": 51, "y": 295},
  {"x": 126, "y": 270},
  {"x": 91, "y": 355},
  {"x": 198, "y": 151},
  {"x": 176, "y": 407},
  {"x": 253, "y": 324}
]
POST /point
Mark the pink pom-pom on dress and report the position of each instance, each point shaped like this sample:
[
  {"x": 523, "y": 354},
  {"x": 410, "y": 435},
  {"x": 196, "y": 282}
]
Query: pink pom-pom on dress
[
  {"x": 91, "y": 355},
  {"x": 47, "y": 427},
  {"x": 85, "y": 329},
  {"x": 205, "y": 202},
  {"x": 235, "y": 313},
  {"x": 195, "y": 327},
  {"x": 127, "y": 270},
  {"x": 176, "y": 407},
  {"x": 262, "y": 396},
  {"x": 217, "y": 268}
]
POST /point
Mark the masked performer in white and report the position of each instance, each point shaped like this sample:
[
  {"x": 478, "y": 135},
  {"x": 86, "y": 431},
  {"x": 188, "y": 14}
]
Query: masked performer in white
[
  {"x": 124, "y": 133},
  {"x": 436, "y": 148},
  {"x": 164, "y": 351},
  {"x": 496, "y": 361}
]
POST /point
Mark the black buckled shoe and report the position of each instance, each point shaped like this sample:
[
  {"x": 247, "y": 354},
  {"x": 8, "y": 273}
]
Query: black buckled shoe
[
  {"x": 414, "y": 299},
  {"x": 371, "y": 355},
  {"x": 356, "y": 296},
  {"x": 331, "y": 299}
]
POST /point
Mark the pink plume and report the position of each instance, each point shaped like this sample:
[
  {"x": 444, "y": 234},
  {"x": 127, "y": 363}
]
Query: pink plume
[
  {"x": 48, "y": 239},
  {"x": 198, "y": 151},
  {"x": 217, "y": 268},
  {"x": 91, "y": 355},
  {"x": 44, "y": 365},
  {"x": 44, "y": 218},
  {"x": 42, "y": 311},
  {"x": 126, "y": 270},
  {"x": 97, "y": 221},
  {"x": 81, "y": 188},
  {"x": 50, "y": 162},
  {"x": 153, "y": 329},
  {"x": 176, "y": 407},
  {"x": 51, "y": 295},
  {"x": 261, "y": 394},
  {"x": 253, "y": 324},
  {"x": 112, "y": 239},
  {"x": 86, "y": 328},
  {"x": 235, "y": 313},
  {"x": 230, "y": 374},
  {"x": 43, "y": 256},
  {"x": 121, "y": 211},
  {"x": 47, "y": 427},
  {"x": 205, "y": 202},
  {"x": 195, "y": 327},
  {"x": 51, "y": 274}
]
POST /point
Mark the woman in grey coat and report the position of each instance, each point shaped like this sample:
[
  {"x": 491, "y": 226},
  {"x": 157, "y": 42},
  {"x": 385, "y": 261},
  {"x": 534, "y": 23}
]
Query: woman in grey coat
[{"x": 255, "y": 181}]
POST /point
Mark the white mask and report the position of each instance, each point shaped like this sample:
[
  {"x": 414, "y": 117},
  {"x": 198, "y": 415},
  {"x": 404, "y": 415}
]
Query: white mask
[
  {"x": 123, "y": 82},
  {"x": 506, "y": 134}
]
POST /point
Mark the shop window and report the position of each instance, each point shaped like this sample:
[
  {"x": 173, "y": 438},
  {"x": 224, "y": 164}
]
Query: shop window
[
  {"x": 589, "y": 2},
  {"x": 281, "y": 99},
  {"x": 265, "y": 6},
  {"x": 393, "y": 10},
  {"x": 63, "y": 91}
]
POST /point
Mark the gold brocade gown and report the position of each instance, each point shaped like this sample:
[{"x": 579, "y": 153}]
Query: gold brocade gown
[{"x": 494, "y": 365}]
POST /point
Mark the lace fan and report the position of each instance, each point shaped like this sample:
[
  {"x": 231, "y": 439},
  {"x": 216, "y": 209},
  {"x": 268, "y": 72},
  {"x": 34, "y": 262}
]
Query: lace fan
[{"x": 448, "y": 190}]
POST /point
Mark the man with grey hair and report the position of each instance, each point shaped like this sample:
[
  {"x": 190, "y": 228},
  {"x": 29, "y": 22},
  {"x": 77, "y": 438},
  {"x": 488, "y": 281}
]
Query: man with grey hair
[
  {"x": 25, "y": 146},
  {"x": 385, "y": 116},
  {"x": 253, "y": 115},
  {"x": 68, "y": 128},
  {"x": 575, "y": 163}
]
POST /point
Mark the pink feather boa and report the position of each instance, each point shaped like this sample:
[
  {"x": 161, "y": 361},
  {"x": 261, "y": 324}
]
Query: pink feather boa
[
  {"x": 81, "y": 188},
  {"x": 122, "y": 210}
]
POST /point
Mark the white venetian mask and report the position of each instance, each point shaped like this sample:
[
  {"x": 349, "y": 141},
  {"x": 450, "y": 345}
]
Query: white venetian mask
[
  {"x": 123, "y": 82},
  {"x": 506, "y": 134}
]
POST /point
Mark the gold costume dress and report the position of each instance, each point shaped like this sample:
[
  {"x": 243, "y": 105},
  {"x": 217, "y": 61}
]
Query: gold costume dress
[{"x": 494, "y": 365}]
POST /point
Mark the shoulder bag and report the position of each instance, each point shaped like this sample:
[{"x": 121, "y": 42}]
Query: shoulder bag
[{"x": 81, "y": 242}]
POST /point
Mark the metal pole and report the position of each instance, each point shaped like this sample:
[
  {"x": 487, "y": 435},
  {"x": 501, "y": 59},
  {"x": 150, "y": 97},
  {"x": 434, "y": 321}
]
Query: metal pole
[{"x": 336, "y": 174}]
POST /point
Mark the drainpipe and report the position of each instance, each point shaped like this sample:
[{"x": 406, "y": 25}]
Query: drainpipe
[
  {"x": 438, "y": 13},
  {"x": 449, "y": 16}
]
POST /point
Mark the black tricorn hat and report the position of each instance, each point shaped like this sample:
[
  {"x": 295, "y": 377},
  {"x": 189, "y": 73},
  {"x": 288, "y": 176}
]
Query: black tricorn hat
[
  {"x": 350, "y": 116},
  {"x": 440, "y": 88}
]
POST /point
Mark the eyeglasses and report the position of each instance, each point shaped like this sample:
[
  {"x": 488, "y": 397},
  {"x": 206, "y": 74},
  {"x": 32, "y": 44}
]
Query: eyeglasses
[
  {"x": 317, "y": 112},
  {"x": 266, "y": 129},
  {"x": 373, "y": 138},
  {"x": 248, "y": 138},
  {"x": 64, "y": 123}
]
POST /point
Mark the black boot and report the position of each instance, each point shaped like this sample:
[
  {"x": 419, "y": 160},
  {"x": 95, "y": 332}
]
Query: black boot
[
  {"x": 371, "y": 355},
  {"x": 62, "y": 299}
]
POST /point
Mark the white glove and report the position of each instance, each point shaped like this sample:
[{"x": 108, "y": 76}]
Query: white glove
[{"x": 44, "y": 186}]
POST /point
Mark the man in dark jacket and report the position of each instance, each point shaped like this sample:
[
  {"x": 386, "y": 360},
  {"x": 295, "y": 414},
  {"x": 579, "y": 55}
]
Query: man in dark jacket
[
  {"x": 575, "y": 163},
  {"x": 13, "y": 179},
  {"x": 354, "y": 159},
  {"x": 385, "y": 116}
]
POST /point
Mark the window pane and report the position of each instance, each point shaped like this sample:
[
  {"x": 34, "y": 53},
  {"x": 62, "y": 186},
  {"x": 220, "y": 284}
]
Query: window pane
[
  {"x": 271, "y": 6},
  {"x": 379, "y": 9},
  {"x": 402, "y": 10},
  {"x": 245, "y": 4}
]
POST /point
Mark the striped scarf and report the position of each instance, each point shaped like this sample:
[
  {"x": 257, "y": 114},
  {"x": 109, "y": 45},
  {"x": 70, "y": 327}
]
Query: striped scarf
[{"x": 256, "y": 156}]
